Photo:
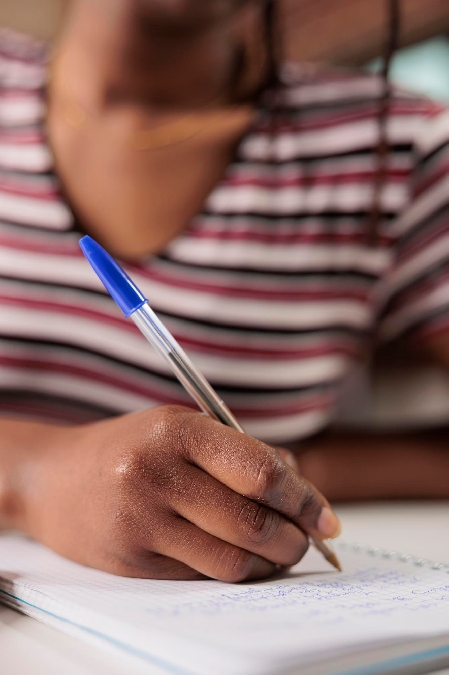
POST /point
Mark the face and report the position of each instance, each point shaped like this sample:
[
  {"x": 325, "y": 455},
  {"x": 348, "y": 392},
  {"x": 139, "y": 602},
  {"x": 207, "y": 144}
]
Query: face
[{"x": 189, "y": 14}]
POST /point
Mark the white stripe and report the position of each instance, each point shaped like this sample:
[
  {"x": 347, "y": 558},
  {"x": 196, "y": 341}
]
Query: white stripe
[
  {"x": 48, "y": 268},
  {"x": 20, "y": 75},
  {"x": 429, "y": 202},
  {"x": 336, "y": 138},
  {"x": 60, "y": 356},
  {"x": 63, "y": 386},
  {"x": 405, "y": 317},
  {"x": 258, "y": 281},
  {"x": 434, "y": 134},
  {"x": 132, "y": 348},
  {"x": 65, "y": 356},
  {"x": 208, "y": 334},
  {"x": 31, "y": 211},
  {"x": 253, "y": 255},
  {"x": 315, "y": 199},
  {"x": 286, "y": 428},
  {"x": 423, "y": 260},
  {"x": 25, "y": 111},
  {"x": 70, "y": 270},
  {"x": 36, "y": 157},
  {"x": 337, "y": 166},
  {"x": 209, "y": 306},
  {"x": 257, "y": 313},
  {"x": 257, "y": 340},
  {"x": 352, "y": 88}
]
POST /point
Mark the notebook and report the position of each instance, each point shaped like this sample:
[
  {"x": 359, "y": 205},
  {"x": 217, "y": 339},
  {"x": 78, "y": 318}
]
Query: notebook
[{"x": 385, "y": 613}]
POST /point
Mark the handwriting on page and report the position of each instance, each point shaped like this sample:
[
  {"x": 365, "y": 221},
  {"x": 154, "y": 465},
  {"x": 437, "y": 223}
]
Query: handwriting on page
[{"x": 365, "y": 592}]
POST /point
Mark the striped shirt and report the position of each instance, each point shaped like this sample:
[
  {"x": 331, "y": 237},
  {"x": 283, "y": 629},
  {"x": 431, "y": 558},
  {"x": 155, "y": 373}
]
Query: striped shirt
[{"x": 273, "y": 289}]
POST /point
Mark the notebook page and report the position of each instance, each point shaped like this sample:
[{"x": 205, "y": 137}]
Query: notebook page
[{"x": 203, "y": 627}]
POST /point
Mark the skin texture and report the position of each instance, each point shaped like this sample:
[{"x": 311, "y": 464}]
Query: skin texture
[
  {"x": 159, "y": 495},
  {"x": 103, "y": 56}
]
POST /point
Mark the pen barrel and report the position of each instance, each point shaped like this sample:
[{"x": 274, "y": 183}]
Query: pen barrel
[
  {"x": 190, "y": 377},
  {"x": 196, "y": 384}
]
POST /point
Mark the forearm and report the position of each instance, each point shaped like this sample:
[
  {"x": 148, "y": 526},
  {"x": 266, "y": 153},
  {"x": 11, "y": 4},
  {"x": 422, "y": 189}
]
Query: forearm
[
  {"x": 361, "y": 466},
  {"x": 352, "y": 31},
  {"x": 22, "y": 445}
]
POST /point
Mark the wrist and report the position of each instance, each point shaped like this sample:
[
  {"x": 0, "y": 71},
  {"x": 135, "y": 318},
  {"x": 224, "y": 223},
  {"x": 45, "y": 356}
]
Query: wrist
[{"x": 24, "y": 450}]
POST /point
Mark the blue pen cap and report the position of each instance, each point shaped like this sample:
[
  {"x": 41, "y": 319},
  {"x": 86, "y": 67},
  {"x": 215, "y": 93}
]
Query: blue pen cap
[{"x": 115, "y": 280}]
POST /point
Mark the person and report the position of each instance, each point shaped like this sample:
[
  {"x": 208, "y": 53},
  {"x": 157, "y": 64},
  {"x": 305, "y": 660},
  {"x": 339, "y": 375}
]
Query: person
[{"x": 258, "y": 208}]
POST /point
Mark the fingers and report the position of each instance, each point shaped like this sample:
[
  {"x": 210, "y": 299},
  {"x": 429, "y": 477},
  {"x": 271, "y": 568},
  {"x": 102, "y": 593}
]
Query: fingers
[
  {"x": 251, "y": 468},
  {"x": 149, "y": 565},
  {"x": 208, "y": 555},
  {"x": 216, "y": 509}
]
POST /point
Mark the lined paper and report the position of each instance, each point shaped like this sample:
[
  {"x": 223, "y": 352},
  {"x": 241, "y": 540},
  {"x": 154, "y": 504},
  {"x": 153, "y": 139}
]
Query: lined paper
[{"x": 207, "y": 626}]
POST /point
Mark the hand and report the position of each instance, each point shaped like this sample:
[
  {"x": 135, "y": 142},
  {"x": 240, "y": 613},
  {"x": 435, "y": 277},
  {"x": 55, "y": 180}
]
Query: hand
[{"x": 158, "y": 494}]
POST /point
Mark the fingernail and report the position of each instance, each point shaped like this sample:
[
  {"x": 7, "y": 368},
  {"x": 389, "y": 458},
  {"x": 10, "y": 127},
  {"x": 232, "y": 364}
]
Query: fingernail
[{"x": 328, "y": 524}]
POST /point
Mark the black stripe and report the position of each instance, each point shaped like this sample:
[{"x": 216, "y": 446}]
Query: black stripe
[
  {"x": 328, "y": 219},
  {"x": 362, "y": 151},
  {"x": 159, "y": 377},
  {"x": 349, "y": 273},
  {"x": 88, "y": 292},
  {"x": 325, "y": 278},
  {"x": 325, "y": 214},
  {"x": 424, "y": 159},
  {"x": 218, "y": 324},
  {"x": 22, "y": 398},
  {"x": 422, "y": 226},
  {"x": 424, "y": 321},
  {"x": 33, "y": 227},
  {"x": 431, "y": 274}
]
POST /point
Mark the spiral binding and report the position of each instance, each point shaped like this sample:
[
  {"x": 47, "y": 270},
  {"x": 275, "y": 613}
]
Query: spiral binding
[{"x": 378, "y": 552}]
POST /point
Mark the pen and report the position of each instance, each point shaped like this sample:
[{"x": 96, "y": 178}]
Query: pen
[{"x": 135, "y": 306}]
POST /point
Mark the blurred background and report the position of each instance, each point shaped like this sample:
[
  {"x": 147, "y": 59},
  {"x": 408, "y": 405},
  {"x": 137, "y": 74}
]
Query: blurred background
[{"x": 347, "y": 33}]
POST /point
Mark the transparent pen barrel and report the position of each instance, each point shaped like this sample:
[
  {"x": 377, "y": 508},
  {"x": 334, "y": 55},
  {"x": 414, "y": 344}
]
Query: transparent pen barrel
[{"x": 192, "y": 380}]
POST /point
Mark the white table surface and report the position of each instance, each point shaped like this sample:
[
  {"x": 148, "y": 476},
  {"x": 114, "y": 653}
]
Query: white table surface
[{"x": 30, "y": 648}]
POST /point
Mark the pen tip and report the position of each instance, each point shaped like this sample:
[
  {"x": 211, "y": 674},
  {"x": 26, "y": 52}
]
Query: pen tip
[{"x": 335, "y": 562}]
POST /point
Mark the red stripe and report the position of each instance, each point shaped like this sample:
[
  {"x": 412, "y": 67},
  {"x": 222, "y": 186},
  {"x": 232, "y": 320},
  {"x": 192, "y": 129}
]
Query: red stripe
[
  {"x": 313, "y": 402},
  {"x": 279, "y": 352},
  {"x": 318, "y": 402},
  {"x": 402, "y": 107},
  {"x": 418, "y": 293},
  {"x": 434, "y": 328},
  {"x": 299, "y": 180},
  {"x": 27, "y": 190},
  {"x": 69, "y": 248},
  {"x": 276, "y": 236},
  {"x": 90, "y": 375},
  {"x": 429, "y": 181},
  {"x": 264, "y": 294},
  {"x": 22, "y": 138},
  {"x": 69, "y": 309},
  {"x": 425, "y": 239},
  {"x": 20, "y": 95}
]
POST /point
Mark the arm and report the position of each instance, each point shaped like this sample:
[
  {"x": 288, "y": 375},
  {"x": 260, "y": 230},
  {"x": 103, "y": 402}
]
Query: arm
[
  {"x": 22, "y": 445},
  {"x": 353, "y": 31},
  {"x": 353, "y": 467}
]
